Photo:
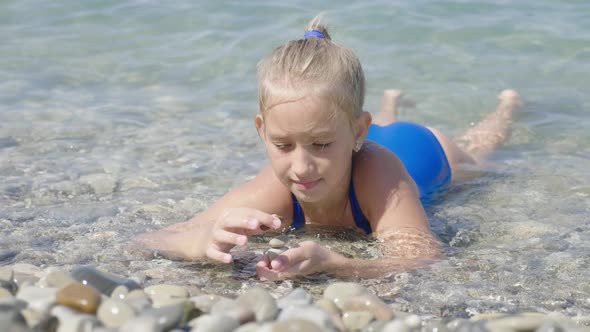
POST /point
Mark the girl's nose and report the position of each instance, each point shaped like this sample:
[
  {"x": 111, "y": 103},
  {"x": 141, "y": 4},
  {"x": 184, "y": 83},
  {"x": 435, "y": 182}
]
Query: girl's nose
[{"x": 302, "y": 163}]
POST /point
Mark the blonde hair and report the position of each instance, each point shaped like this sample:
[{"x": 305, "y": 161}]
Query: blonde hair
[{"x": 312, "y": 67}]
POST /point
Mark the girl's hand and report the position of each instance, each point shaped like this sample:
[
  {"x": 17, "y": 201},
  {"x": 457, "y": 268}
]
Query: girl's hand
[
  {"x": 307, "y": 258},
  {"x": 232, "y": 228}
]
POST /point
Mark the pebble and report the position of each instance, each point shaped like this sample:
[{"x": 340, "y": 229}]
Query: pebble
[
  {"x": 205, "y": 302},
  {"x": 70, "y": 320},
  {"x": 339, "y": 292},
  {"x": 102, "y": 281},
  {"x": 120, "y": 292},
  {"x": 114, "y": 313},
  {"x": 79, "y": 297},
  {"x": 279, "y": 241},
  {"x": 298, "y": 296},
  {"x": 344, "y": 306},
  {"x": 7, "y": 256},
  {"x": 38, "y": 299},
  {"x": 296, "y": 325},
  {"x": 101, "y": 184},
  {"x": 273, "y": 253},
  {"x": 162, "y": 295},
  {"x": 521, "y": 322},
  {"x": 261, "y": 302},
  {"x": 357, "y": 320},
  {"x": 314, "y": 314},
  {"x": 369, "y": 302},
  {"x": 214, "y": 323},
  {"x": 54, "y": 277}
]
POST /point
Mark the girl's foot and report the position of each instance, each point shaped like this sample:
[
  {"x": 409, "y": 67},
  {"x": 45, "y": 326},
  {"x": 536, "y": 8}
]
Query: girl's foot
[{"x": 392, "y": 98}]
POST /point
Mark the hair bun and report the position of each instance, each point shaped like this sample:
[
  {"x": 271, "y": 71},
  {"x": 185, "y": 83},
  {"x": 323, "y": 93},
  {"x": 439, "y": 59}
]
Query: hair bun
[{"x": 315, "y": 28}]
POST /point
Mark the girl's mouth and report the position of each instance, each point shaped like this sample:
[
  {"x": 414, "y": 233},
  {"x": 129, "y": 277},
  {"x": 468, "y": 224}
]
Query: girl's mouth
[{"x": 304, "y": 185}]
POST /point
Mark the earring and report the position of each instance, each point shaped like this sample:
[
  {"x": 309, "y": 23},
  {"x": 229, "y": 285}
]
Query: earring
[{"x": 359, "y": 145}]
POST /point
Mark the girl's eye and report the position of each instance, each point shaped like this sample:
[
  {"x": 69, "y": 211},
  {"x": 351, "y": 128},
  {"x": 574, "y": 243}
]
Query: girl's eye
[
  {"x": 282, "y": 146},
  {"x": 321, "y": 145}
]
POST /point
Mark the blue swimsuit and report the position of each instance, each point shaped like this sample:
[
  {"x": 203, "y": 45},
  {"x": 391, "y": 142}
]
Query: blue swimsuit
[{"x": 420, "y": 152}]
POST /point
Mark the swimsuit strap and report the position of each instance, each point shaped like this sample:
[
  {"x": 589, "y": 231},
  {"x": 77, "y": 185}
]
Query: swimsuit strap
[
  {"x": 298, "y": 218},
  {"x": 357, "y": 214}
]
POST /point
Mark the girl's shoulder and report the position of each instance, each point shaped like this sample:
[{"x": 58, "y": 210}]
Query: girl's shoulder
[{"x": 378, "y": 174}]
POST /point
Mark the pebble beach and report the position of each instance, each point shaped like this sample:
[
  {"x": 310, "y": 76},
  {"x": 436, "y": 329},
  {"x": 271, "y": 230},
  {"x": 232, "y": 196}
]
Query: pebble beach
[
  {"x": 87, "y": 299},
  {"x": 120, "y": 117}
]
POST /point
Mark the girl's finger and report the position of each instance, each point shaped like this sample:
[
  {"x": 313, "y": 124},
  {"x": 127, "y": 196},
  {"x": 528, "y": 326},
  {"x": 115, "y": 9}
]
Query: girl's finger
[
  {"x": 268, "y": 221},
  {"x": 217, "y": 255},
  {"x": 225, "y": 237}
]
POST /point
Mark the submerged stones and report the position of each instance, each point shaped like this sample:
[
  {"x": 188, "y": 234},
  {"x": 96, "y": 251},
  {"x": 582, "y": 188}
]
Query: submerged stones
[
  {"x": 277, "y": 246},
  {"x": 52, "y": 300}
]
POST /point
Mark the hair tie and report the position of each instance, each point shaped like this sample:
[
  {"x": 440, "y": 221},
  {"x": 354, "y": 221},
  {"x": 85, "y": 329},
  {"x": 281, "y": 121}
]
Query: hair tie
[{"x": 313, "y": 33}]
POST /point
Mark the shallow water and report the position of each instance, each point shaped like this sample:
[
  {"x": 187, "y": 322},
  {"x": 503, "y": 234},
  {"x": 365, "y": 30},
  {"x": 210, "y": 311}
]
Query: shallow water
[{"x": 118, "y": 117}]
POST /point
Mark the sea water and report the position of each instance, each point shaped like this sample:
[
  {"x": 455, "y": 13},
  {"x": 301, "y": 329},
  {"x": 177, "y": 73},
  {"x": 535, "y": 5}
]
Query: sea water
[{"x": 120, "y": 117}]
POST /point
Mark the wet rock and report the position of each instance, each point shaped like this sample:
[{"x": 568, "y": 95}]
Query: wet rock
[
  {"x": 142, "y": 324},
  {"x": 298, "y": 296},
  {"x": 79, "y": 297},
  {"x": 357, "y": 320},
  {"x": 396, "y": 325},
  {"x": 279, "y": 241},
  {"x": 162, "y": 295},
  {"x": 521, "y": 322},
  {"x": 120, "y": 292},
  {"x": 261, "y": 302},
  {"x": 328, "y": 306},
  {"x": 54, "y": 277},
  {"x": 339, "y": 292},
  {"x": 7, "y": 256},
  {"x": 114, "y": 313},
  {"x": 103, "y": 282},
  {"x": 205, "y": 302},
  {"x": 273, "y": 253},
  {"x": 7, "y": 280},
  {"x": 101, "y": 184},
  {"x": 167, "y": 317},
  {"x": 70, "y": 320},
  {"x": 214, "y": 323},
  {"x": 38, "y": 299},
  {"x": 10, "y": 315},
  {"x": 240, "y": 311},
  {"x": 314, "y": 314},
  {"x": 296, "y": 324},
  {"x": 368, "y": 302}
]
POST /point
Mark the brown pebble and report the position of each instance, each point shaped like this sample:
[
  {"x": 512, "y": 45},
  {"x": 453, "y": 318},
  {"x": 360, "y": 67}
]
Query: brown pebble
[{"x": 79, "y": 297}]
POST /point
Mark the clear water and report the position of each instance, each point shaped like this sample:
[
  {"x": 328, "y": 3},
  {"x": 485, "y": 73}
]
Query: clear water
[{"x": 157, "y": 100}]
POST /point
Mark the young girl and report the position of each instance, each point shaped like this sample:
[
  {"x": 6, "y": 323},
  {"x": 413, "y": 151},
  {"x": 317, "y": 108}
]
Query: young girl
[{"x": 329, "y": 165}]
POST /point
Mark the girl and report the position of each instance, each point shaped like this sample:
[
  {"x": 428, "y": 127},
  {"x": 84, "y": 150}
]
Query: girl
[{"x": 325, "y": 169}]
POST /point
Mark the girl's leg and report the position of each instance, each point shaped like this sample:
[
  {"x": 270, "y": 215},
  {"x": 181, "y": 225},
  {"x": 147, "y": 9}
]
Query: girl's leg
[
  {"x": 389, "y": 103},
  {"x": 478, "y": 142}
]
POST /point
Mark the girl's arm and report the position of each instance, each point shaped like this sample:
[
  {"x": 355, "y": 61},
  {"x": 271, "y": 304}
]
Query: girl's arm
[
  {"x": 227, "y": 223},
  {"x": 389, "y": 198}
]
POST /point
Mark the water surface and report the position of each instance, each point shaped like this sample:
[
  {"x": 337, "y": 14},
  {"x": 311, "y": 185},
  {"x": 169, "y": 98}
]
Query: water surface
[{"x": 118, "y": 117}]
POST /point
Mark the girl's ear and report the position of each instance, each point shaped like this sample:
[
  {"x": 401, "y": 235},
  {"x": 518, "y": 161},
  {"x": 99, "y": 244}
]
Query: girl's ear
[
  {"x": 259, "y": 123},
  {"x": 362, "y": 126}
]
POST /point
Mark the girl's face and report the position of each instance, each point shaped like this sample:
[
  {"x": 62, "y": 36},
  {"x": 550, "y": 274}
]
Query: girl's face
[{"x": 309, "y": 145}]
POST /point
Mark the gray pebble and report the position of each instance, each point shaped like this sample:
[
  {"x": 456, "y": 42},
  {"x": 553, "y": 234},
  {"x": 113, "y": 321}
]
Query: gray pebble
[
  {"x": 261, "y": 302},
  {"x": 279, "y": 241},
  {"x": 312, "y": 313},
  {"x": 214, "y": 323},
  {"x": 356, "y": 320},
  {"x": 298, "y": 296},
  {"x": 114, "y": 313}
]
